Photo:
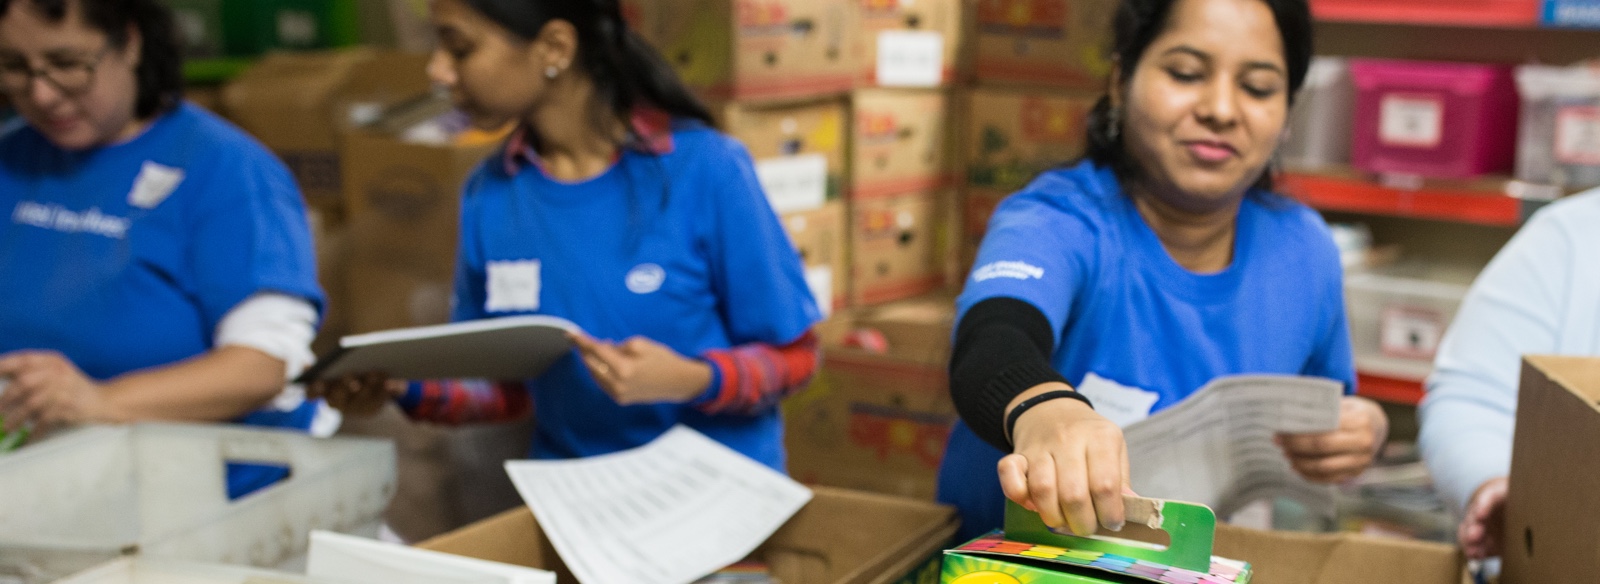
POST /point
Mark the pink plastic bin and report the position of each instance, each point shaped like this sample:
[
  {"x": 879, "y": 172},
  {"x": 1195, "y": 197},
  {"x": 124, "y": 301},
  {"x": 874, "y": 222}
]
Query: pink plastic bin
[{"x": 1448, "y": 120}]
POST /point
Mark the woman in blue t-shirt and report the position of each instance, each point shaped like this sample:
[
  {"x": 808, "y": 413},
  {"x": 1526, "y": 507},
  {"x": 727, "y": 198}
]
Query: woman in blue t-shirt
[
  {"x": 615, "y": 205},
  {"x": 155, "y": 262},
  {"x": 1157, "y": 264}
]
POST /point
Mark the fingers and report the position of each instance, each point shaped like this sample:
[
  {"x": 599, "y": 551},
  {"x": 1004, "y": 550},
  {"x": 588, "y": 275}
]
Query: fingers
[
  {"x": 1327, "y": 444},
  {"x": 1331, "y": 469},
  {"x": 1042, "y": 485},
  {"x": 1014, "y": 480},
  {"x": 1106, "y": 483}
]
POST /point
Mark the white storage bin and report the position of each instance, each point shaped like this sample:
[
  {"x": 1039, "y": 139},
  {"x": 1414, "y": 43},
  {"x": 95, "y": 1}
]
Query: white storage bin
[
  {"x": 149, "y": 571},
  {"x": 1319, "y": 125},
  {"x": 158, "y": 490},
  {"x": 1558, "y": 142},
  {"x": 1398, "y": 316}
]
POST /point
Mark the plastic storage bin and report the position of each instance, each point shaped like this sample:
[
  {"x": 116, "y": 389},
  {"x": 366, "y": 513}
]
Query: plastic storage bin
[
  {"x": 148, "y": 571},
  {"x": 1450, "y": 120},
  {"x": 1398, "y": 316},
  {"x": 1319, "y": 126},
  {"x": 1558, "y": 139},
  {"x": 77, "y": 501}
]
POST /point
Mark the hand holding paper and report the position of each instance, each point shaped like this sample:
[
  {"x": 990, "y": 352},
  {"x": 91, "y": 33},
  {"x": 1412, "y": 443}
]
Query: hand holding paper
[
  {"x": 1343, "y": 454},
  {"x": 641, "y": 371}
]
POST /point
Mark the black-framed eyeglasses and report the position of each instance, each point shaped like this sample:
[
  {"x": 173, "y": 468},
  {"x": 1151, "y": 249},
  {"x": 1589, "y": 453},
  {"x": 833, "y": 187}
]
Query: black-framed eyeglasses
[{"x": 71, "y": 77}]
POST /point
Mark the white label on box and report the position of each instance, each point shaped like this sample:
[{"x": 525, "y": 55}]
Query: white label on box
[
  {"x": 910, "y": 58},
  {"x": 513, "y": 286},
  {"x": 794, "y": 183},
  {"x": 1119, "y": 403},
  {"x": 1411, "y": 121},
  {"x": 1412, "y": 333},
  {"x": 1578, "y": 135},
  {"x": 820, "y": 280}
]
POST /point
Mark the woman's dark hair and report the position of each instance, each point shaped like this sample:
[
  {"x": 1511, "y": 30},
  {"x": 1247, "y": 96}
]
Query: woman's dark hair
[
  {"x": 1138, "y": 23},
  {"x": 626, "y": 71},
  {"x": 160, "y": 70}
]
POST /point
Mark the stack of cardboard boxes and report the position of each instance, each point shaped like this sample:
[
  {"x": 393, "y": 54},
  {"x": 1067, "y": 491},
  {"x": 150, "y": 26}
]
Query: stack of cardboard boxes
[{"x": 1039, "y": 66}]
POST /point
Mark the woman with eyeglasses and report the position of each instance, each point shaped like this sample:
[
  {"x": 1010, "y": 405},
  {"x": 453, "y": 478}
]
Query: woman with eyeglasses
[{"x": 155, "y": 262}]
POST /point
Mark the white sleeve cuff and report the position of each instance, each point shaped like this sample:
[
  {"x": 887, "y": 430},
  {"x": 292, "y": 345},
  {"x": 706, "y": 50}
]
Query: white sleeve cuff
[{"x": 279, "y": 325}]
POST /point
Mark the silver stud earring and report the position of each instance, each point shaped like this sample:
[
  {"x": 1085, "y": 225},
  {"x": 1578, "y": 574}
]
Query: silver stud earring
[{"x": 551, "y": 72}]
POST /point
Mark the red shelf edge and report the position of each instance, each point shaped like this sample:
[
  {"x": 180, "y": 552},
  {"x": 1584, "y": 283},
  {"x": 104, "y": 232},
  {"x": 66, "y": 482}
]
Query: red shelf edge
[
  {"x": 1341, "y": 194},
  {"x": 1389, "y": 389}
]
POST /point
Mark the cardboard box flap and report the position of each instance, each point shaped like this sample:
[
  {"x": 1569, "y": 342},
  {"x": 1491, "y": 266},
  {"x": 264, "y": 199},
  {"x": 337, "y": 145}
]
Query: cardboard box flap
[
  {"x": 294, "y": 80},
  {"x": 1305, "y": 558},
  {"x": 1552, "y": 521},
  {"x": 1580, "y": 375},
  {"x": 820, "y": 543},
  {"x": 840, "y": 537}
]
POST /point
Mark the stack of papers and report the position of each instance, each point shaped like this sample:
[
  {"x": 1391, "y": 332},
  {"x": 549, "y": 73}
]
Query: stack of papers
[{"x": 669, "y": 512}]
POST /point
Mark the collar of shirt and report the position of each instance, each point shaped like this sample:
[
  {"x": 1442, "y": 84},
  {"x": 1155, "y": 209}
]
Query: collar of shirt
[{"x": 652, "y": 134}]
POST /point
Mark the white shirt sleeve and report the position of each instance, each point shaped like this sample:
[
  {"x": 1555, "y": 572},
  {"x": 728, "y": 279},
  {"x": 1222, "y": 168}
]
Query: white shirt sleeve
[
  {"x": 1537, "y": 296},
  {"x": 279, "y": 325}
]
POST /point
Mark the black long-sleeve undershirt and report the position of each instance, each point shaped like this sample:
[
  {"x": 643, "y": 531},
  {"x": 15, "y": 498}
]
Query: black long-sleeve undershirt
[{"x": 1002, "y": 348}]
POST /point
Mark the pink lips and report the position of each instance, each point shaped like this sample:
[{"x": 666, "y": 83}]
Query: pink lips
[{"x": 1210, "y": 151}]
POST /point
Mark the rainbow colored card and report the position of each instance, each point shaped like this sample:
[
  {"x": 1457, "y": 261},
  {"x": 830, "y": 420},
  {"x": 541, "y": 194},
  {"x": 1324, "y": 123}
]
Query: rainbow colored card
[{"x": 1030, "y": 553}]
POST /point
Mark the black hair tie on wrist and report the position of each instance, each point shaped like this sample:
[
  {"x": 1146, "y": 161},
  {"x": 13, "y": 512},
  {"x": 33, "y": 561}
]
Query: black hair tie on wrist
[{"x": 1027, "y": 404}]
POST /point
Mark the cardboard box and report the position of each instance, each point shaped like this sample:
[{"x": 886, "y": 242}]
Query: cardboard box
[
  {"x": 820, "y": 237},
  {"x": 300, "y": 104},
  {"x": 903, "y": 142},
  {"x": 1304, "y": 558},
  {"x": 404, "y": 214},
  {"x": 977, "y": 206},
  {"x": 878, "y": 421},
  {"x": 798, "y": 147},
  {"x": 1552, "y": 531},
  {"x": 840, "y": 537},
  {"x": 910, "y": 43},
  {"x": 1056, "y": 43},
  {"x": 900, "y": 246},
  {"x": 753, "y": 49},
  {"x": 1013, "y": 135}
]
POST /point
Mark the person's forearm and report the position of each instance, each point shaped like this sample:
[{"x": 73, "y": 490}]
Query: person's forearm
[{"x": 221, "y": 385}]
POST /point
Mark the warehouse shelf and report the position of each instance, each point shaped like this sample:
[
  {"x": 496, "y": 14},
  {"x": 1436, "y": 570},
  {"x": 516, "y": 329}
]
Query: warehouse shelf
[
  {"x": 1386, "y": 381},
  {"x": 1493, "y": 201}
]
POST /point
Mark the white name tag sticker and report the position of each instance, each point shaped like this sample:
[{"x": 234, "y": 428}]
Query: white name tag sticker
[
  {"x": 1119, "y": 403},
  {"x": 794, "y": 183},
  {"x": 513, "y": 286},
  {"x": 154, "y": 184}
]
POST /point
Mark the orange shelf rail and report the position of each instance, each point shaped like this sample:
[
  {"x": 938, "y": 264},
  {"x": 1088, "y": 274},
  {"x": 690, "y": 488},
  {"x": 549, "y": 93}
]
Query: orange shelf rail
[
  {"x": 1477, "y": 202},
  {"x": 1393, "y": 390}
]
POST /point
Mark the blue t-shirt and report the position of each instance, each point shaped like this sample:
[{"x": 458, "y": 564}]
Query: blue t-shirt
[
  {"x": 1073, "y": 245},
  {"x": 681, "y": 248},
  {"x": 126, "y": 257}
]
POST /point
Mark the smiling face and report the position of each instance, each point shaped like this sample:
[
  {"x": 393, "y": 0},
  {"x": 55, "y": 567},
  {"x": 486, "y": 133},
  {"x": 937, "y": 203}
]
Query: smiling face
[
  {"x": 82, "y": 89},
  {"x": 1206, "y": 104}
]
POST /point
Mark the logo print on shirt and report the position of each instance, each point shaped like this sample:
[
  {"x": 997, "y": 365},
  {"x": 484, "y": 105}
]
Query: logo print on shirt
[
  {"x": 154, "y": 184},
  {"x": 1013, "y": 270},
  {"x": 646, "y": 278}
]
